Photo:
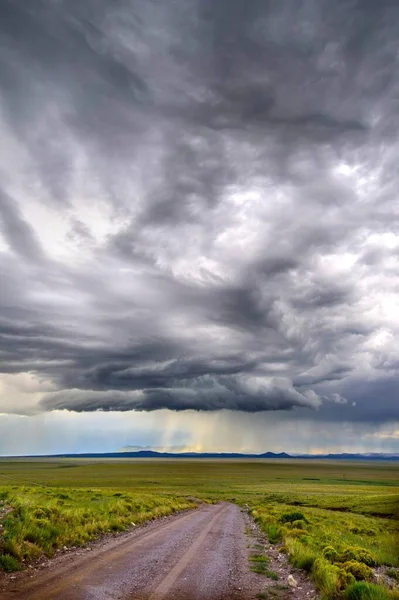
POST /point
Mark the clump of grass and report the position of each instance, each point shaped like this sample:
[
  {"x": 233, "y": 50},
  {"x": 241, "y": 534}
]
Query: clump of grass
[
  {"x": 301, "y": 556},
  {"x": 360, "y": 590},
  {"x": 274, "y": 533},
  {"x": 299, "y": 524},
  {"x": 259, "y": 558},
  {"x": 9, "y": 564},
  {"x": 330, "y": 553},
  {"x": 360, "y": 571},
  {"x": 272, "y": 575},
  {"x": 259, "y": 564},
  {"x": 359, "y": 554},
  {"x": 327, "y": 578}
]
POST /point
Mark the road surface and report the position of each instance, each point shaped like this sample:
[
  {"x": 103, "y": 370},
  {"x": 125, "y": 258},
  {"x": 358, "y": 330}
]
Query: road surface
[{"x": 197, "y": 555}]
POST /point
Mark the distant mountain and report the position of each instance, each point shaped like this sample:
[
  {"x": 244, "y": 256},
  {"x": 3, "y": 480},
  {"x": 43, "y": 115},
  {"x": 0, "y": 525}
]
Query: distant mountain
[{"x": 224, "y": 455}]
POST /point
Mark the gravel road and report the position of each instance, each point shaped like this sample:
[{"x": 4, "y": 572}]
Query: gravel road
[{"x": 197, "y": 555}]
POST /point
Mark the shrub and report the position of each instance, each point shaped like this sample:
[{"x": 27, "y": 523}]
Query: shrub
[
  {"x": 360, "y": 571},
  {"x": 345, "y": 579},
  {"x": 8, "y": 563},
  {"x": 292, "y": 517},
  {"x": 360, "y": 590},
  {"x": 330, "y": 553},
  {"x": 299, "y": 524},
  {"x": 359, "y": 554}
]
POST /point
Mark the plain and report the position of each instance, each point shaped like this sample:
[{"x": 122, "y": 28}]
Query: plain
[{"x": 337, "y": 520}]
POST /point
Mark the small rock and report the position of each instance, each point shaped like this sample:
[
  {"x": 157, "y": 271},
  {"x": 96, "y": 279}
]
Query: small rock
[{"x": 292, "y": 581}]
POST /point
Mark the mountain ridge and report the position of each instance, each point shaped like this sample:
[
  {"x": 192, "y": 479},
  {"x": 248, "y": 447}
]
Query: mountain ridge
[{"x": 218, "y": 455}]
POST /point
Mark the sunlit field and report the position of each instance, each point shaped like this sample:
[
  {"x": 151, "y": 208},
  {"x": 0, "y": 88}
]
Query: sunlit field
[{"x": 336, "y": 520}]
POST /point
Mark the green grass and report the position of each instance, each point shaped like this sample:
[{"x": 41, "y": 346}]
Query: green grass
[
  {"x": 9, "y": 563},
  {"x": 42, "y": 521},
  {"x": 259, "y": 564},
  {"x": 327, "y": 515},
  {"x": 368, "y": 591},
  {"x": 337, "y": 538}
]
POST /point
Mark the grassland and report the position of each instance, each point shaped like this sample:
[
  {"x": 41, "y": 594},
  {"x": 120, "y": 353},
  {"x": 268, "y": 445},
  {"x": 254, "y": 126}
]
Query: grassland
[{"x": 336, "y": 520}]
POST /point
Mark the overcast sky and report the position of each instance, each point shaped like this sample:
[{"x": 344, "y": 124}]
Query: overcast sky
[{"x": 199, "y": 225}]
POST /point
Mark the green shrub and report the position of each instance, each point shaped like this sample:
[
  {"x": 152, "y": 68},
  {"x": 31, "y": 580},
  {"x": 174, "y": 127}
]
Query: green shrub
[
  {"x": 299, "y": 524},
  {"x": 360, "y": 571},
  {"x": 8, "y": 563},
  {"x": 359, "y": 554},
  {"x": 360, "y": 590},
  {"x": 345, "y": 579},
  {"x": 292, "y": 517},
  {"x": 330, "y": 553}
]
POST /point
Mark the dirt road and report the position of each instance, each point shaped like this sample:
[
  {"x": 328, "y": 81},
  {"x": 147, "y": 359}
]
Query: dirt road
[{"x": 198, "y": 555}]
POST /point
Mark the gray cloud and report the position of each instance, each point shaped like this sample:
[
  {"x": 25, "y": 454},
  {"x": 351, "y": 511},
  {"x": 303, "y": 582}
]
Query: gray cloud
[
  {"x": 204, "y": 393},
  {"x": 198, "y": 205},
  {"x": 17, "y": 231}
]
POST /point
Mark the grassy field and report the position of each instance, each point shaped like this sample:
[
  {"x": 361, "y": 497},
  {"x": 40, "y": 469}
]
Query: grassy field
[{"x": 337, "y": 520}]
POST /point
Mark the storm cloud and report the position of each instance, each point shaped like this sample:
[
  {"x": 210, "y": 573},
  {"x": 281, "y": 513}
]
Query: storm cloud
[{"x": 198, "y": 206}]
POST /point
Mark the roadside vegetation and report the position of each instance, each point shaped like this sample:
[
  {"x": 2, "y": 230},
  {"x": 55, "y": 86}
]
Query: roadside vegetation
[
  {"x": 39, "y": 522},
  {"x": 337, "y": 548},
  {"x": 337, "y": 521}
]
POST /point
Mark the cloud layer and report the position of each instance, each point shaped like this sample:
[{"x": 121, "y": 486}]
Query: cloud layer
[{"x": 198, "y": 207}]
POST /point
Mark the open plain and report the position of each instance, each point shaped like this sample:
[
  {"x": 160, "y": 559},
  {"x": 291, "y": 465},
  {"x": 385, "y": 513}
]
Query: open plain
[{"x": 331, "y": 525}]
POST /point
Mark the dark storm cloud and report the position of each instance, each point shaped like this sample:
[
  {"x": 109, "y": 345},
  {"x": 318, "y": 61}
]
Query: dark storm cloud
[
  {"x": 206, "y": 393},
  {"x": 198, "y": 204}
]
